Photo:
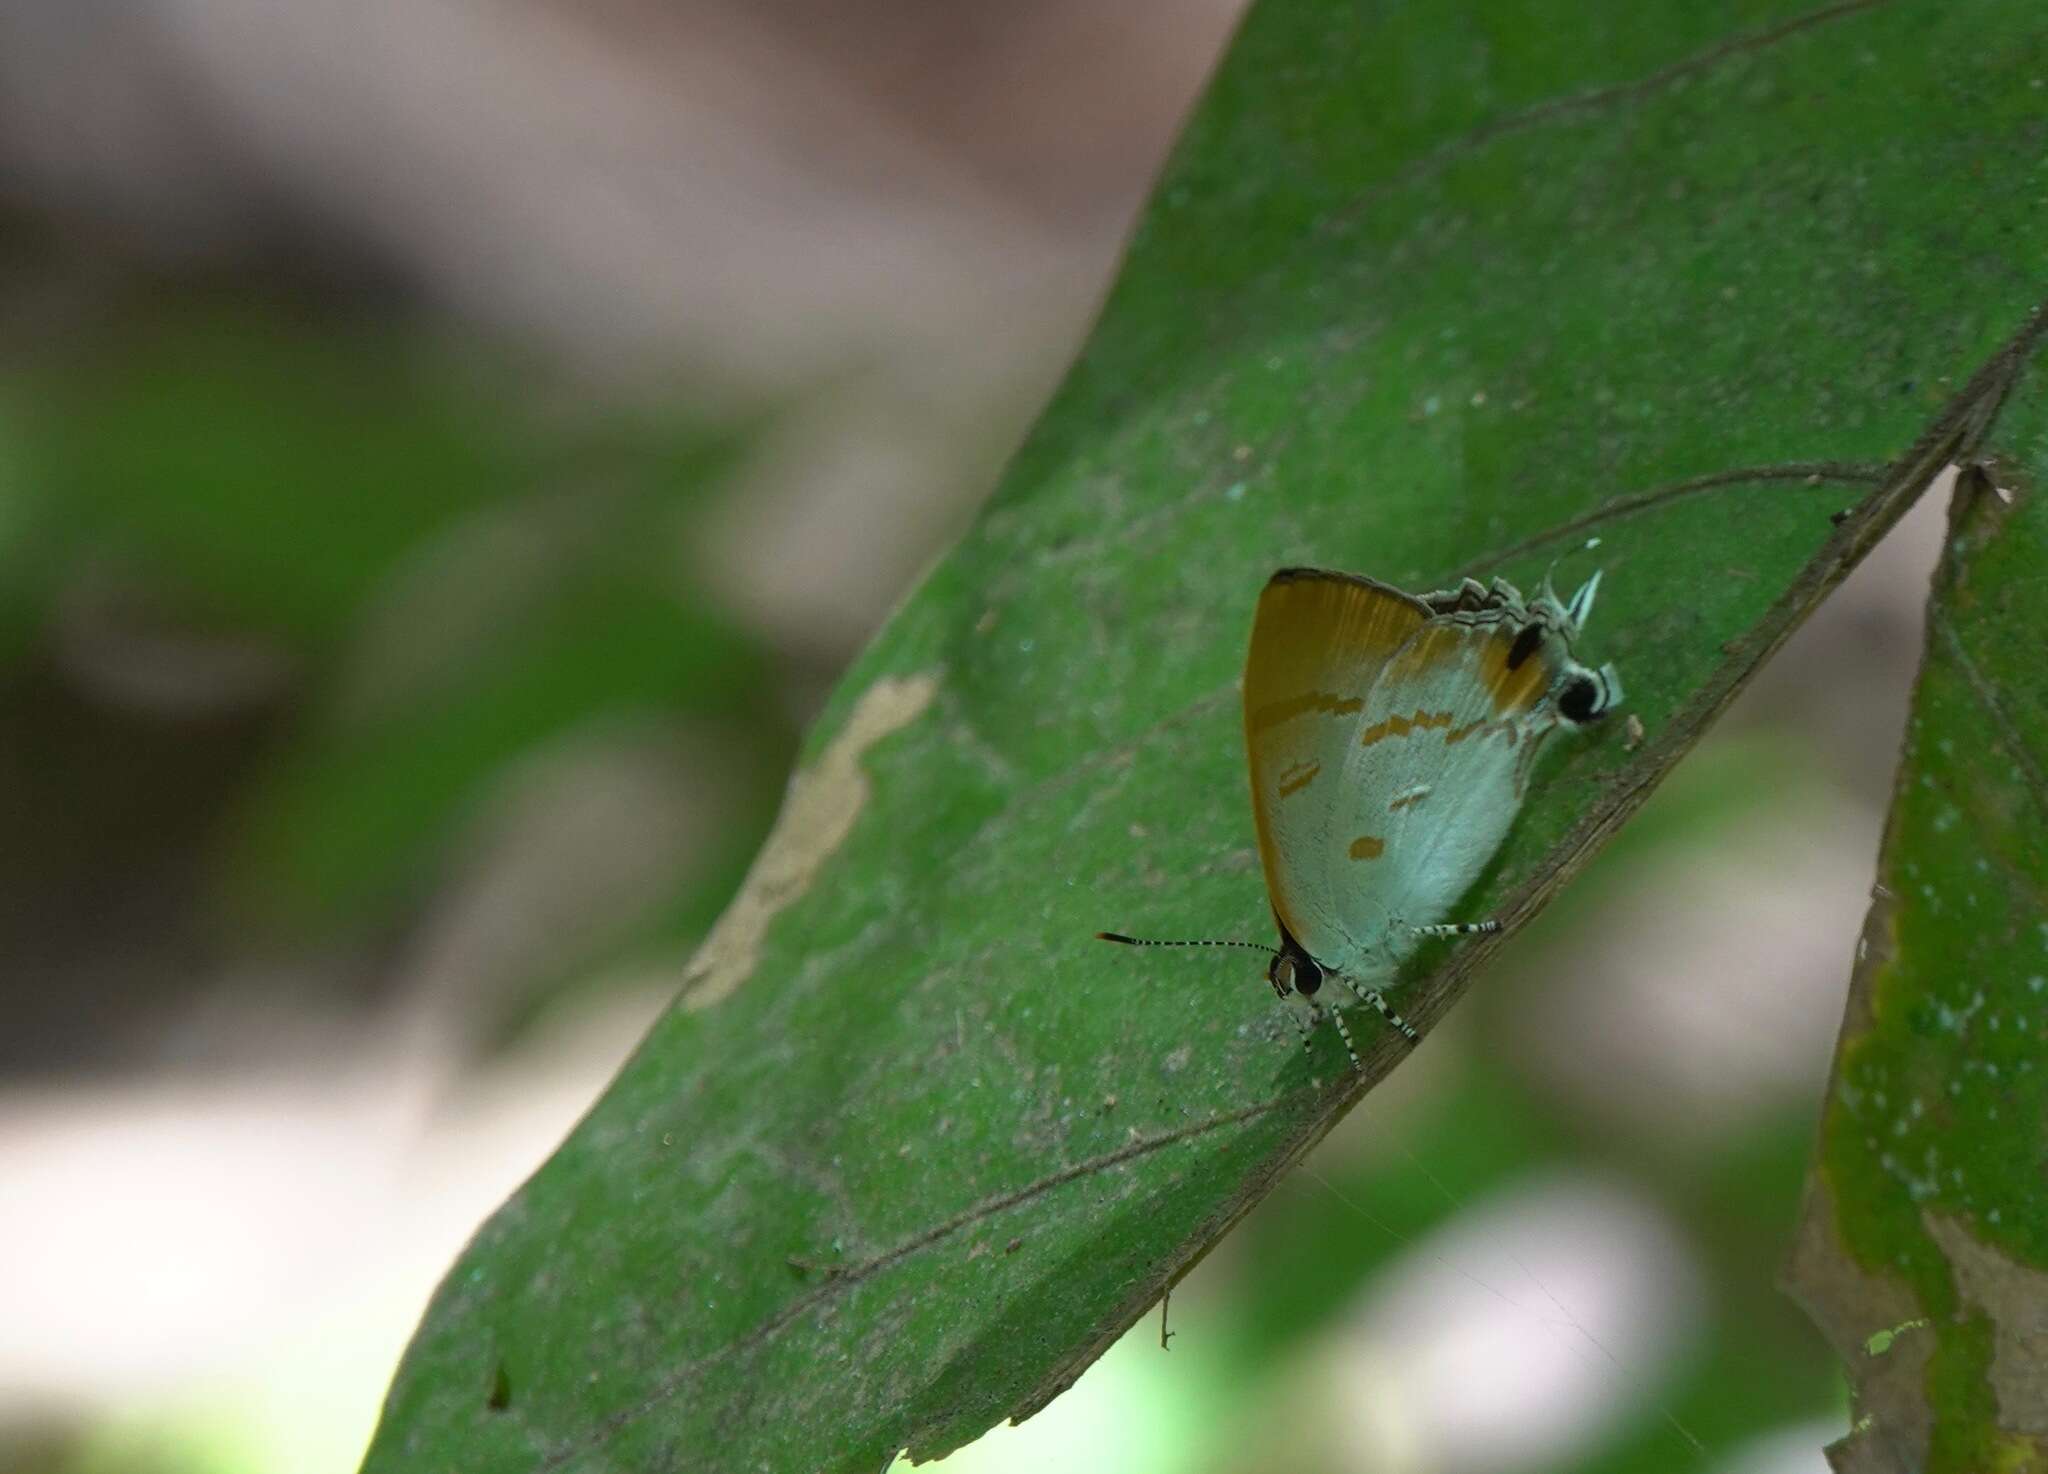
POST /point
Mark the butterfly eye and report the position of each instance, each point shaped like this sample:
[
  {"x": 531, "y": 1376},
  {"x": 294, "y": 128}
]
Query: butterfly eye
[{"x": 1582, "y": 700}]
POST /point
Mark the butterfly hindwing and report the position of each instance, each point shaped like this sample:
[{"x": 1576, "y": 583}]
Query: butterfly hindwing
[{"x": 1435, "y": 774}]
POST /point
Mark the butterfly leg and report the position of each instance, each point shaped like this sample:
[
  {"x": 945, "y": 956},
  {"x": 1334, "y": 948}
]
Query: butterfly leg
[
  {"x": 1343, "y": 1032},
  {"x": 1458, "y": 929},
  {"x": 1302, "y": 1026},
  {"x": 1379, "y": 1003}
]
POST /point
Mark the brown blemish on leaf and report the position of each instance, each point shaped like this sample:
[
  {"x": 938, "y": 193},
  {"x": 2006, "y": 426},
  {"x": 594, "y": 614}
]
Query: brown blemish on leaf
[
  {"x": 823, "y": 803},
  {"x": 1368, "y": 847},
  {"x": 2014, "y": 1298},
  {"x": 1849, "y": 1305}
]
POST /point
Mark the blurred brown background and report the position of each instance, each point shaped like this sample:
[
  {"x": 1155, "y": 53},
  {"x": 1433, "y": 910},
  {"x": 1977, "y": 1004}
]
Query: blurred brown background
[{"x": 446, "y": 452}]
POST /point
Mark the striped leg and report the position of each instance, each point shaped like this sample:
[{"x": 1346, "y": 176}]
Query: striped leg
[
  {"x": 1457, "y": 929},
  {"x": 1303, "y": 1028},
  {"x": 1379, "y": 1003},
  {"x": 1343, "y": 1031}
]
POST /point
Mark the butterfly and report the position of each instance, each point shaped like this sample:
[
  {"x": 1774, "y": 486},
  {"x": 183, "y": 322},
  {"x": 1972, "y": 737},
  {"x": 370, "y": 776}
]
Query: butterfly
[{"x": 1391, "y": 738}]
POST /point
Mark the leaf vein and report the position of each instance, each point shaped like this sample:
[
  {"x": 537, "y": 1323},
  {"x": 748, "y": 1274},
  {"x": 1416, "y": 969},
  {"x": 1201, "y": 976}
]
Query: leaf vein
[
  {"x": 2009, "y": 735},
  {"x": 853, "y": 1274}
]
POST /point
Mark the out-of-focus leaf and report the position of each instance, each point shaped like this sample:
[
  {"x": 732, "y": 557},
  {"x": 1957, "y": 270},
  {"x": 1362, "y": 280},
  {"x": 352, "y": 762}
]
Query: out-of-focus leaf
[
  {"x": 610, "y": 637},
  {"x": 271, "y": 464},
  {"x": 1426, "y": 292},
  {"x": 1924, "y": 1249},
  {"x": 290, "y": 472}
]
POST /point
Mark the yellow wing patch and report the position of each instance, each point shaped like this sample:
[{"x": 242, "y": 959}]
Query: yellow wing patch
[
  {"x": 1512, "y": 691},
  {"x": 1298, "y": 777},
  {"x": 1317, "y": 643},
  {"x": 1398, "y": 726},
  {"x": 1307, "y": 703}
]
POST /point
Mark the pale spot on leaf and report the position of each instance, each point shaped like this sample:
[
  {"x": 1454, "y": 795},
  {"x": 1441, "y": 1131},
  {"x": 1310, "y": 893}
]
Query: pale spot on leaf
[{"x": 823, "y": 803}]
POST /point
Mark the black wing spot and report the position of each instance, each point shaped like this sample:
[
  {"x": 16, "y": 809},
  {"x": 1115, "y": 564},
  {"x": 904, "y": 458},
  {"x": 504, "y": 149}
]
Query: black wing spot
[{"x": 1526, "y": 644}]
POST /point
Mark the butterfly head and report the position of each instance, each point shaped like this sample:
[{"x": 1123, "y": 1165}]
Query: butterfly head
[{"x": 1292, "y": 970}]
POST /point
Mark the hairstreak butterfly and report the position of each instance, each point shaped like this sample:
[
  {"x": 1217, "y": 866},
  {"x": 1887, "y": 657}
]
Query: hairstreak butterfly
[{"x": 1391, "y": 738}]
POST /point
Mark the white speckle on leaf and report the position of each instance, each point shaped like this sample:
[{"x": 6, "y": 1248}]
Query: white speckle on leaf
[
  {"x": 824, "y": 801},
  {"x": 1177, "y": 1061}
]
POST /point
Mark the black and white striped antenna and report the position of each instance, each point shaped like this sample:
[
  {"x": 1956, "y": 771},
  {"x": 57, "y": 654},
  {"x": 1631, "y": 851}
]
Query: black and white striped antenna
[{"x": 1117, "y": 936}]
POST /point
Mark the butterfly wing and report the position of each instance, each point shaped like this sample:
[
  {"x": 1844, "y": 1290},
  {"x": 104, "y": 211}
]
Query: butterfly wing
[
  {"x": 1434, "y": 774},
  {"x": 1319, "y": 642}
]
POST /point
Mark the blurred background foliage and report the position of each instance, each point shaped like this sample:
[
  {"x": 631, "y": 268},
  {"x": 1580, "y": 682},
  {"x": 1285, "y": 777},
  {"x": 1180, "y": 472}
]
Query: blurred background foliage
[
  {"x": 442, "y": 463},
  {"x": 296, "y": 587}
]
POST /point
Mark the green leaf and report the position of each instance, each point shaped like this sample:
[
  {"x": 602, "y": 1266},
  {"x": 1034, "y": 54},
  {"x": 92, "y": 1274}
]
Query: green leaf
[
  {"x": 1426, "y": 292},
  {"x": 1924, "y": 1250}
]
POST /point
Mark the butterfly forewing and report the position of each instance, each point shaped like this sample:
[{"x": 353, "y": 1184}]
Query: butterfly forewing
[{"x": 1319, "y": 643}]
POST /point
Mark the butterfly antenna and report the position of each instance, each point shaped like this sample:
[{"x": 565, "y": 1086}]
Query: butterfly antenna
[{"x": 1117, "y": 936}]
